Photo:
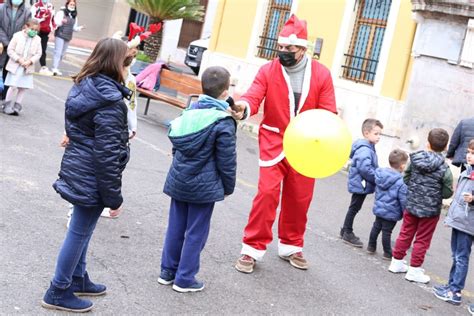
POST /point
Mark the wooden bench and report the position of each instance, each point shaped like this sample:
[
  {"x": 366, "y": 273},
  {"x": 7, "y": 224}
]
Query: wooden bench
[{"x": 186, "y": 86}]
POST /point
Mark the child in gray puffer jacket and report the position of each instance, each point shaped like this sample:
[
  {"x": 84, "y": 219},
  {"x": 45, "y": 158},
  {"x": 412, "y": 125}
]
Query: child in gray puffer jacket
[
  {"x": 461, "y": 218},
  {"x": 390, "y": 201}
]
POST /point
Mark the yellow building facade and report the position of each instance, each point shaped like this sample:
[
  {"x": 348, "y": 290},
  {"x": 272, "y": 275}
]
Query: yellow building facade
[{"x": 366, "y": 44}]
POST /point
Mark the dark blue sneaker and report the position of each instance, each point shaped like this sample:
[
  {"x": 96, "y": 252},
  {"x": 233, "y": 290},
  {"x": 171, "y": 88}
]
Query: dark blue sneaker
[
  {"x": 449, "y": 296},
  {"x": 65, "y": 300},
  {"x": 441, "y": 287},
  {"x": 196, "y": 287},
  {"x": 84, "y": 286},
  {"x": 166, "y": 277},
  {"x": 470, "y": 308}
]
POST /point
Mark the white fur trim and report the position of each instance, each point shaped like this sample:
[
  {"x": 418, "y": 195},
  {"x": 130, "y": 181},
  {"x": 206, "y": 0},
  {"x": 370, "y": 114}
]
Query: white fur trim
[
  {"x": 291, "y": 97},
  {"x": 271, "y": 128},
  {"x": 269, "y": 163},
  {"x": 252, "y": 252},
  {"x": 292, "y": 40},
  {"x": 287, "y": 250},
  {"x": 306, "y": 84}
]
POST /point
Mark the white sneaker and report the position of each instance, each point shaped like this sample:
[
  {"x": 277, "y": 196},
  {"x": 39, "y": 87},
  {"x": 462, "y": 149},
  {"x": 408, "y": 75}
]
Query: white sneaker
[
  {"x": 45, "y": 71},
  {"x": 417, "y": 275},
  {"x": 398, "y": 266},
  {"x": 56, "y": 72}
]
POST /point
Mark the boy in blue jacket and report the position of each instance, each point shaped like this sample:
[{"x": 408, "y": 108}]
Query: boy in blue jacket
[
  {"x": 361, "y": 176},
  {"x": 203, "y": 172},
  {"x": 390, "y": 201}
]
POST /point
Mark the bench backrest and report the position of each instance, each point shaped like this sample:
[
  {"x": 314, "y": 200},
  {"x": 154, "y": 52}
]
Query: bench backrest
[{"x": 184, "y": 84}]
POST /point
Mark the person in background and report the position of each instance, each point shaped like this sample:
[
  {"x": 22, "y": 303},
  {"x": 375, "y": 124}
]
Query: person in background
[
  {"x": 13, "y": 16},
  {"x": 457, "y": 149},
  {"x": 67, "y": 23},
  {"x": 43, "y": 12}
]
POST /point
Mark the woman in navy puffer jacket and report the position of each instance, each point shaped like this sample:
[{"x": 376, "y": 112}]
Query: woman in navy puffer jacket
[{"x": 91, "y": 169}]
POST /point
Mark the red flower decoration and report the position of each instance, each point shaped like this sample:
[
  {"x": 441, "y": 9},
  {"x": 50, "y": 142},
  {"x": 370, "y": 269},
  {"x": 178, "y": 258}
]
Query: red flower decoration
[
  {"x": 144, "y": 35},
  {"x": 153, "y": 28},
  {"x": 134, "y": 30}
]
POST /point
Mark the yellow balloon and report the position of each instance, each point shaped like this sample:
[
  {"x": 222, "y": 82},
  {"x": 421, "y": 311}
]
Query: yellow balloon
[{"x": 317, "y": 143}]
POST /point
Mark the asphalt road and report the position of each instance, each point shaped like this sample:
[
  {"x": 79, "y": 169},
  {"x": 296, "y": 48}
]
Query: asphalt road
[{"x": 125, "y": 252}]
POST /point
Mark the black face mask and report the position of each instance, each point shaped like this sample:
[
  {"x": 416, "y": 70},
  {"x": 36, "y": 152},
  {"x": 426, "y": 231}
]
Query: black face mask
[{"x": 287, "y": 59}]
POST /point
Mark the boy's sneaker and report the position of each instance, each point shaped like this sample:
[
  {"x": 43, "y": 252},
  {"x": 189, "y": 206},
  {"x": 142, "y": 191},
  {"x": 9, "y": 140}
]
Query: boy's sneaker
[
  {"x": 196, "y": 287},
  {"x": 166, "y": 277},
  {"x": 470, "y": 309},
  {"x": 387, "y": 256},
  {"x": 352, "y": 239},
  {"x": 245, "y": 264},
  {"x": 297, "y": 260},
  {"x": 85, "y": 287},
  {"x": 416, "y": 274},
  {"x": 371, "y": 250},
  {"x": 442, "y": 287},
  {"x": 449, "y": 296},
  {"x": 398, "y": 266}
]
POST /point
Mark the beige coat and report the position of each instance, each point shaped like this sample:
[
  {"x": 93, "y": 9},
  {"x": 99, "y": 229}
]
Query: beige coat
[{"x": 16, "y": 48}]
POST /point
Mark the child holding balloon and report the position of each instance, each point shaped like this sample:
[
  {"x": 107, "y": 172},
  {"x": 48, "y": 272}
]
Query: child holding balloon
[{"x": 361, "y": 176}]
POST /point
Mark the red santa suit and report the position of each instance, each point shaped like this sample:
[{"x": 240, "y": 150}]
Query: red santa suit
[{"x": 272, "y": 83}]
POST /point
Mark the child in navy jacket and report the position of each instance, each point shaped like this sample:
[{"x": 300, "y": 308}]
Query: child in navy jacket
[
  {"x": 203, "y": 172},
  {"x": 361, "y": 176},
  {"x": 390, "y": 201}
]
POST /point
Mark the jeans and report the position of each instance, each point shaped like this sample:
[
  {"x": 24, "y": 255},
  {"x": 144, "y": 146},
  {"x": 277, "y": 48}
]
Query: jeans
[
  {"x": 72, "y": 256},
  {"x": 44, "y": 45},
  {"x": 60, "y": 47},
  {"x": 386, "y": 227},
  {"x": 188, "y": 229},
  {"x": 461, "y": 250},
  {"x": 356, "y": 204}
]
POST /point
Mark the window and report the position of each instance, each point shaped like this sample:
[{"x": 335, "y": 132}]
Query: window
[
  {"x": 278, "y": 13},
  {"x": 362, "y": 58}
]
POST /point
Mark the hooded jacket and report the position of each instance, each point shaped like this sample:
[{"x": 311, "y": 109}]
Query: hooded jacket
[
  {"x": 462, "y": 134},
  {"x": 362, "y": 170},
  {"x": 461, "y": 214},
  {"x": 429, "y": 181},
  {"x": 390, "y": 194},
  {"x": 204, "y": 155},
  {"x": 97, "y": 153}
]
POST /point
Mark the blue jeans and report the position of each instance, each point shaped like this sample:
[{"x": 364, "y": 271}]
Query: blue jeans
[
  {"x": 461, "y": 250},
  {"x": 188, "y": 229},
  {"x": 72, "y": 256}
]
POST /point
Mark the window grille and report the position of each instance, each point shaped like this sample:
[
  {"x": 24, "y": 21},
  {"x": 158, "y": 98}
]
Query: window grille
[
  {"x": 362, "y": 59},
  {"x": 278, "y": 13}
]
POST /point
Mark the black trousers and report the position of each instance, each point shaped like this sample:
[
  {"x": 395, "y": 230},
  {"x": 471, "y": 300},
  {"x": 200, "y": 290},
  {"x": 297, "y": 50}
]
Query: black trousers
[
  {"x": 386, "y": 227},
  {"x": 4, "y": 75},
  {"x": 356, "y": 204},
  {"x": 44, "y": 45}
]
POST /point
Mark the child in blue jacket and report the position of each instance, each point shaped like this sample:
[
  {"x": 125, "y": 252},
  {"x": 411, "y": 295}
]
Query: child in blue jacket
[
  {"x": 390, "y": 201},
  {"x": 361, "y": 176},
  {"x": 203, "y": 172}
]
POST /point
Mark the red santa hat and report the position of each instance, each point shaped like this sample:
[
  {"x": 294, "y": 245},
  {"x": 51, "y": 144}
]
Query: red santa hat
[{"x": 294, "y": 32}]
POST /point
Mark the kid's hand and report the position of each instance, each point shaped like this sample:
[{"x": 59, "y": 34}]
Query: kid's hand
[
  {"x": 21, "y": 61},
  {"x": 115, "y": 213},
  {"x": 467, "y": 197},
  {"x": 64, "y": 141},
  {"x": 238, "y": 110}
]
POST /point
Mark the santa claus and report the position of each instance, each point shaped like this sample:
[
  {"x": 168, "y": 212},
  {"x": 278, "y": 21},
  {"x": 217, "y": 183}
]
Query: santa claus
[{"x": 290, "y": 84}]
